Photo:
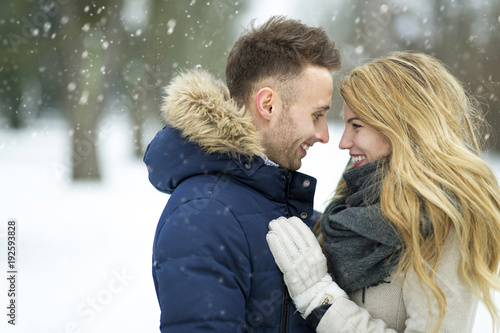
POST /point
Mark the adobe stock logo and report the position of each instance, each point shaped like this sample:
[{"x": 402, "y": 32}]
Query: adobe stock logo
[{"x": 32, "y": 25}]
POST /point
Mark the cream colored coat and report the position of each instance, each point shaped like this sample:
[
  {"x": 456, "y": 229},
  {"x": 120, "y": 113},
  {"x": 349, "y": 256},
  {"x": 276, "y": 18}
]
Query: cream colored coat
[{"x": 401, "y": 306}]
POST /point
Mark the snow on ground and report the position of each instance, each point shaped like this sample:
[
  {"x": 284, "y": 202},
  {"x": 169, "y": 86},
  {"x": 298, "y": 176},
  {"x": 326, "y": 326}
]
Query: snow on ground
[{"x": 84, "y": 249}]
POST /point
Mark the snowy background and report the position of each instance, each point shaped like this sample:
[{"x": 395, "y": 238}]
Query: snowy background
[{"x": 84, "y": 249}]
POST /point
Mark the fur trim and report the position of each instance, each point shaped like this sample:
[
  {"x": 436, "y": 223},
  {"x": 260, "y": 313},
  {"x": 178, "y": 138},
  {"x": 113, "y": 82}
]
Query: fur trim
[{"x": 199, "y": 105}]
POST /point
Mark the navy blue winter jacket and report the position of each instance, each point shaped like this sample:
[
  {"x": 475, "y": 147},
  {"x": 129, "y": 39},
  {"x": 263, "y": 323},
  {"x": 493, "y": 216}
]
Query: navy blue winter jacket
[{"x": 212, "y": 268}]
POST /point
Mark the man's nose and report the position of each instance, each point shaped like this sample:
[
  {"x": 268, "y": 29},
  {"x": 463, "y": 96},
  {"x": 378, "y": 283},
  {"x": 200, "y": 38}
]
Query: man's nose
[{"x": 322, "y": 134}]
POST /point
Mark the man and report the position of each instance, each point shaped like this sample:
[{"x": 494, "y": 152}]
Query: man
[{"x": 229, "y": 161}]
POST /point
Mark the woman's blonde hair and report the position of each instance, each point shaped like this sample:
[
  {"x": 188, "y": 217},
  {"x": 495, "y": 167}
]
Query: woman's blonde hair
[{"x": 434, "y": 169}]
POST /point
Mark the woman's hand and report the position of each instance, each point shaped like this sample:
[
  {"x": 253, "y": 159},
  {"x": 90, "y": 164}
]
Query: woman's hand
[{"x": 299, "y": 256}]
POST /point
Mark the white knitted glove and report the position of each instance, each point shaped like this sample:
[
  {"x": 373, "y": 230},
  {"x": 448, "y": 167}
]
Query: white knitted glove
[{"x": 299, "y": 256}]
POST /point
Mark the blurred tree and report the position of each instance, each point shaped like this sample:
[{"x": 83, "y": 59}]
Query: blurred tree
[
  {"x": 19, "y": 85},
  {"x": 179, "y": 35},
  {"x": 89, "y": 43},
  {"x": 485, "y": 82}
]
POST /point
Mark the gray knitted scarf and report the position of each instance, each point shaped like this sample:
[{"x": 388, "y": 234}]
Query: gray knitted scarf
[{"x": 361, "y": 246}]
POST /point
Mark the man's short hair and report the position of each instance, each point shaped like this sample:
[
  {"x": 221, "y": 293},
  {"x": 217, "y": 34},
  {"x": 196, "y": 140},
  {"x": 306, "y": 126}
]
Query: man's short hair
[{"x": 277, "y": 51}]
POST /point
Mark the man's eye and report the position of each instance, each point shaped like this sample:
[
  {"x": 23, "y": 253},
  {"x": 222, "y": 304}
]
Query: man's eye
[{"x": 318, "y": 115}]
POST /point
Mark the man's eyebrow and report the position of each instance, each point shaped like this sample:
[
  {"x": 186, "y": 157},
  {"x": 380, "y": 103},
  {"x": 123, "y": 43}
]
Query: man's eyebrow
[{"x": 322, "y": 108}]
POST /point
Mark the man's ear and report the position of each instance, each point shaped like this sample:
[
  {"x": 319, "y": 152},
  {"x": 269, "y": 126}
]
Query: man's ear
[{"x": 265, "y": 100}]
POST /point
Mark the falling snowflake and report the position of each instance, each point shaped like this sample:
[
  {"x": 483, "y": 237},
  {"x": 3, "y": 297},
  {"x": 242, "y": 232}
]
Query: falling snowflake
[
  {"x": 171, "y": 25},
  {"x": 84, "y": 98},
  {"x": 86, "y": 27},
  {"x": 71, "y": 86}
]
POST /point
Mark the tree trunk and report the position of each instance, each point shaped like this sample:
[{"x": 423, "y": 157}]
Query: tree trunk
[{"x": 90, "y": 60}]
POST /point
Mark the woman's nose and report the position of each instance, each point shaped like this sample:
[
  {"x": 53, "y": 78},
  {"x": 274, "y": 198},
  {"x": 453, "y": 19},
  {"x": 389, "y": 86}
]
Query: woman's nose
[{"x": 345, "y": 141}]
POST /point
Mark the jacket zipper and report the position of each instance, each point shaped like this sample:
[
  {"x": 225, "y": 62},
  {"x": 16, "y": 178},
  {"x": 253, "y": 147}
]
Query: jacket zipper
[
  {"x": 285, "y": 303},
  {"x": 285, "y": 309},
  {"x": 287, "y": 179}
]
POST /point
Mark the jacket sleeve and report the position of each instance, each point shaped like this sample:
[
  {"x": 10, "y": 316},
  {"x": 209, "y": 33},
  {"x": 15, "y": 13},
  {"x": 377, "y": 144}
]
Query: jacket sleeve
[
  {"x": 201, "y": 269},
  {"x": 346, "y": 316}
]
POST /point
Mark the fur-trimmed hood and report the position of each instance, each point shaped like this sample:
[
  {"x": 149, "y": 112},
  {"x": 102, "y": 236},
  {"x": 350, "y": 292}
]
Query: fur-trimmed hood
[
  {"x": 200, "y": 107},
  {"x": 205, "y": 133}
]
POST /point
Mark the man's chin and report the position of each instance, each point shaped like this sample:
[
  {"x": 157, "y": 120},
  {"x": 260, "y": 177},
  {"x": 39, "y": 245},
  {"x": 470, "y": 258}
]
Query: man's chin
[{"x": 294, "y": 166}]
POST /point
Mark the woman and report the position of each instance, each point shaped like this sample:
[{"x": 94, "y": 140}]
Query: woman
[{"x": 412, "y": 235}]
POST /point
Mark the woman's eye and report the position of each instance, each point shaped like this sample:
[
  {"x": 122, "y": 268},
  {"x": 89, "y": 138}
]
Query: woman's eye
[{"x": 356, "y": 126}]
